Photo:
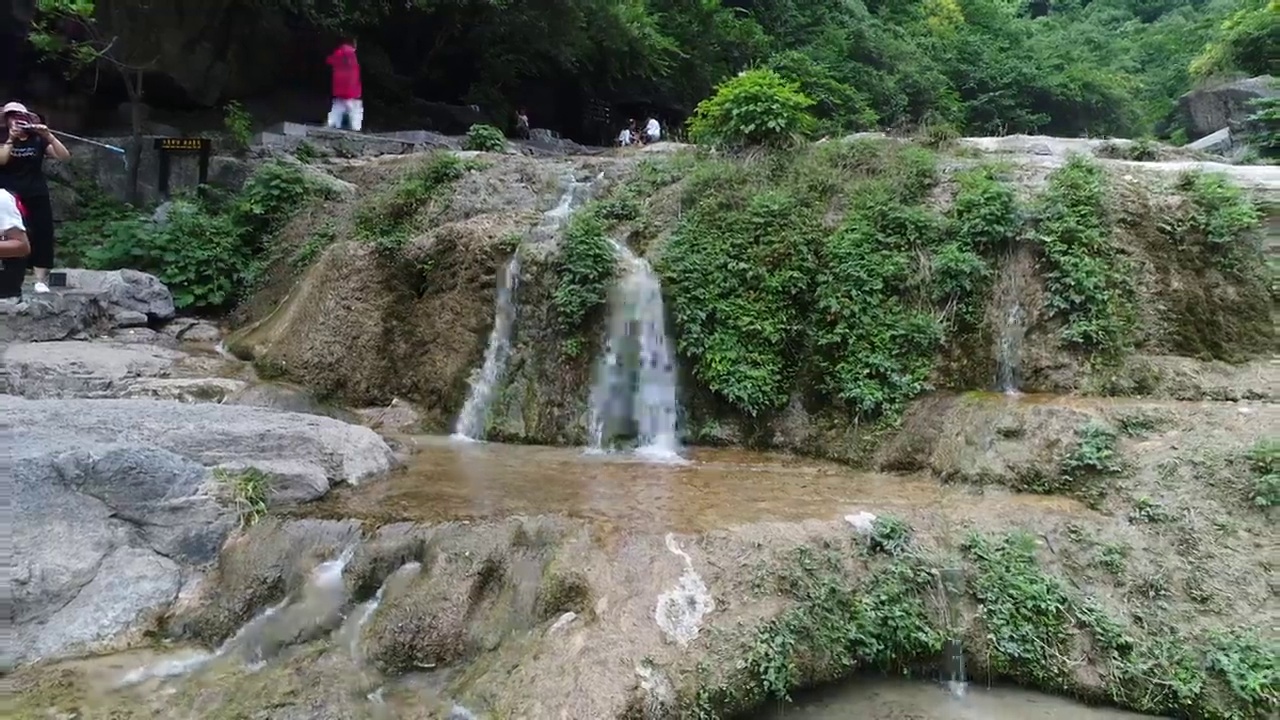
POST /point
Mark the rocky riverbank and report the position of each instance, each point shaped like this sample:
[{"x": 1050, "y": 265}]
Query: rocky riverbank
[{"x": 1108, "y": 536}]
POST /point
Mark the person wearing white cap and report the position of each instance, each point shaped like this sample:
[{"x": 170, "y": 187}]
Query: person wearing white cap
[{"x": 22, "y": 159}]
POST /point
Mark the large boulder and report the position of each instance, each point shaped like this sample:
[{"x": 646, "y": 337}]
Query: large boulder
[
  {"x": 118, "y": 505},
  {"x": 93, "y": 304},
  {"x": 81, "y": 368},
  {"x": 1208, "y": 110}
]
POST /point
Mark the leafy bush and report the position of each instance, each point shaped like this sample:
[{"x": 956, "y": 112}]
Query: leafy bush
[
  {"x": 756, "y": 107},
  {"x": 585, "y": 268},
  {"x": 207, "y": 255},
  {"x": 485, "y": 138},
  {"x": 239, "y": 124},
  {"x": 1265, "y": 124},
  {"x": 1088, "y": 279},
  {"x": 1264, "y": 461}
]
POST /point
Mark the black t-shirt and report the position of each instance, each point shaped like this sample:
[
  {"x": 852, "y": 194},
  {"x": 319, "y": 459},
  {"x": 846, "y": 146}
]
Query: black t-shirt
[{"x": 23, "y": 175}]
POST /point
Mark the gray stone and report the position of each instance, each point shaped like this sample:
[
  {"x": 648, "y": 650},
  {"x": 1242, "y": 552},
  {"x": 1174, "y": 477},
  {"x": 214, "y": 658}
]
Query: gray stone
[
  {"x": 81, "y": 368},
  {"x": 1218, "y": 142},
  {"x": 1207, "y": 110},
  {"x": 187, "y": 390},
  {"x": 161, "y": 215},
  {"x": 129, "y": 319},
  {"x": 130, "y": 584},
  {"x": 291, "y": 481},
  {"x": 55, "y": 316},
  {"x": 143, "y": 336},
  {"x": 207, "y": 433},
  {"x": 126, "y": 290},
  {"x": 201, "y": 332},
  {"x": 290, "y": 398},
  {"x": 116, "y": 505}
]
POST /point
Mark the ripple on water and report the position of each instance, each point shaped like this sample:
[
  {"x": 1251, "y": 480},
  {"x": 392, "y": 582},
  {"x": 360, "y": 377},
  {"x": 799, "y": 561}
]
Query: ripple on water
[{"x": 706, "y": 489}]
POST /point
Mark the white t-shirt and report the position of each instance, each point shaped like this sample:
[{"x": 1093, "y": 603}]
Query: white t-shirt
[
  {"x": 652, "y": 129},
  {"x": 10, "y": 217},
  {"x": 624, "y": 137}
]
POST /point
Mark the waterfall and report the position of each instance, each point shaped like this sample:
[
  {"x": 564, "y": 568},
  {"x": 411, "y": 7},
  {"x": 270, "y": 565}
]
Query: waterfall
[
  {"x": 635, "y": 390},
  {"x": 475, "y": 411},
  {"x": 1010, "y": 319},
  {"x": 485, "y": 381}
]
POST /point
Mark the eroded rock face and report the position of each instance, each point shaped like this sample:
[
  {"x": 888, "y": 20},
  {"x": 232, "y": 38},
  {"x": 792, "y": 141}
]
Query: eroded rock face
[
  {"x": 82, "y": 369},
  {"x": 117, "y": 504}
]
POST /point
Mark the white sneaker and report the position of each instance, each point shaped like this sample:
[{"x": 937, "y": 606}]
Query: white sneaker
[{"x": 42, "y": 288}]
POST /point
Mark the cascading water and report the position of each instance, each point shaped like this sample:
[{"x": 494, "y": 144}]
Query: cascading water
[
  {"x": 471, "y": 422},
  {"x": 485, "y": 381},
  {"x": 1010, "y": 319},
  {"x": 635, "y": 392},
  {"x": 316, "y": 606}
]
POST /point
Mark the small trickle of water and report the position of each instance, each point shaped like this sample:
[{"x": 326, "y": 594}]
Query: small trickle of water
[
  {"x": 1011, "y": 320},
  {"x": 322, "y": 594},
  {"x": 954, "y": 675},
  {"x": 1009, "y": 350},
  {"x": 635, "y": 391},
  {"x": 485, "y": 381}
]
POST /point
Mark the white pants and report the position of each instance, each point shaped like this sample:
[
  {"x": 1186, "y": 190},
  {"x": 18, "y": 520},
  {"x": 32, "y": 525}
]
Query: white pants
[{"x": 352, "y": 110}]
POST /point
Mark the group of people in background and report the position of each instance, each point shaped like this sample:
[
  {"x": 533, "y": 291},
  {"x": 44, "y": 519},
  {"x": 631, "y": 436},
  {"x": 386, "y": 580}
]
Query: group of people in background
[
  {"x": 26, "y": 213},
  {"x": 632, "y": 135}
]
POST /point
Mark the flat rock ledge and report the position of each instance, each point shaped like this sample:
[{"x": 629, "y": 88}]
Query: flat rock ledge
[{"x": 118, "y": 506}]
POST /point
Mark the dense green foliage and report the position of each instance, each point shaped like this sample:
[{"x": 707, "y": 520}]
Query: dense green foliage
[
  {"x": 1088, "y": 278},
  {"x": 828, "y": 262},
  {"x": 585, "y": 268},
  {"x": 983, "y": 66},
  {"x": 207, "y": 251}
]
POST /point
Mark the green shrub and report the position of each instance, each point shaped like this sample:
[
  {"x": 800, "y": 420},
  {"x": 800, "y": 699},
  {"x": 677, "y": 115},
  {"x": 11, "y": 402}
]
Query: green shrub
[
  {"x": 1265, "y": 123},
  {"x": 485, "y": 138},
  {"x": 756, "y": 107},
  {"x": 585, "y": 268},
  {"x": 207, "y": 255},
  {"x": 1264, "y": 461},
  {"x": 239, "y": 124},
  {"x": 1088, "y": 278}
]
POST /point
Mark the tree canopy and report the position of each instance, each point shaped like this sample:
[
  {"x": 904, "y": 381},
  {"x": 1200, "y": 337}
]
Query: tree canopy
[{"x": 1067, "y": 67}]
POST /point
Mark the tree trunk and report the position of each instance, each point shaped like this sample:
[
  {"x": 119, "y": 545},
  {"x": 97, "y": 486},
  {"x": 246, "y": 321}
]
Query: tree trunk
[{"x": 134, "y": 89}]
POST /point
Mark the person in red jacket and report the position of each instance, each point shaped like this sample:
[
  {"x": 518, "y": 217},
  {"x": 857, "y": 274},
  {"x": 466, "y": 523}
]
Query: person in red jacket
[{"x": 346, "y": 87}]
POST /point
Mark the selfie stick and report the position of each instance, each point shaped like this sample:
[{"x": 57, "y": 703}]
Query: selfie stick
[{"x": 121, "y": 151}]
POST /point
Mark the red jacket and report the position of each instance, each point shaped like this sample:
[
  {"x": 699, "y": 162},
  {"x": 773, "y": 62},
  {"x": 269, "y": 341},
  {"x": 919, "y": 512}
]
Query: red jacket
[{"x": 346, "y": 73}]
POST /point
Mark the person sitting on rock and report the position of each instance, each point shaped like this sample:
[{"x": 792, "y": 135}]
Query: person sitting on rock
[
  {"x": 652, "y": 130},
  {"x": 522, "y": 124},
  {"x": 347, "y": 91},
  {"x": 624, "y": 137}
]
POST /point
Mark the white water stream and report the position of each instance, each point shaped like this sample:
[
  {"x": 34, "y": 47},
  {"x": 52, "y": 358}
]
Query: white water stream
[
  {"x": 486, "y": 380},
  {"x": 635, "y": 388}
]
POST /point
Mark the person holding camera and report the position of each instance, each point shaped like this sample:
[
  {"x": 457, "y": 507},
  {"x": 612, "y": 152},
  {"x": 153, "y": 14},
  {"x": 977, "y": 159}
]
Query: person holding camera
[{"x": 22, "y": 173}]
